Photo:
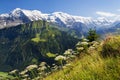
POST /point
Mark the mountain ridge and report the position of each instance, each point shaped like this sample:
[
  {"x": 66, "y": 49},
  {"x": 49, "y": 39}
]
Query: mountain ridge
[{"x": 20, "y": 16}]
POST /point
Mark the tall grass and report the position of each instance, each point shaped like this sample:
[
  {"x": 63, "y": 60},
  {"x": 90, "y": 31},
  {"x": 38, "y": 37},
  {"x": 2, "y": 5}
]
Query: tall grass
[
  {"x": 91, "y": 67},
  {"x": 111, "y": 46},
  {"x": 94, "y": 66}
]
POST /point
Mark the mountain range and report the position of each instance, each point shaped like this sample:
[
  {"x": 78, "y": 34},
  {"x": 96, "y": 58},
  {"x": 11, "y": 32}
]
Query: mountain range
[{"x": 21, "y": 16}]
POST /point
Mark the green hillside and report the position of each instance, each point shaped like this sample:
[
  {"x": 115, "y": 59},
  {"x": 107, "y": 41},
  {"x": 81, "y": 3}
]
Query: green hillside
[
  {"x": 40, "y": 51},
  {"x": 102, "y": 63},
  {"x": 29, "y": 43},
  {"x": 90, "y": 61}
]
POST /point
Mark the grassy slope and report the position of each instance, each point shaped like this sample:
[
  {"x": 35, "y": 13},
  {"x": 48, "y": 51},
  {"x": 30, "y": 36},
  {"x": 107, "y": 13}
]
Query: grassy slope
[
  {"x": 5, "y": 76},
  {"x": 90, "y": 67}
]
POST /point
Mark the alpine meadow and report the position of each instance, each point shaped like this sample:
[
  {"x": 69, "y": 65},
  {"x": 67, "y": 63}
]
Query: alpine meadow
[{"x": 60, "y": 40}]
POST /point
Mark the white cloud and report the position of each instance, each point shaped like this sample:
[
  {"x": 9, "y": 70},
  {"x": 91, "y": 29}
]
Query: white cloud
[
  {"x": 105, "y": 14},
  {"x": 118, "y": 9}
]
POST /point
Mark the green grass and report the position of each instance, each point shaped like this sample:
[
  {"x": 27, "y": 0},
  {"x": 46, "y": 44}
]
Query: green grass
[
  {"x": 51, "y": 55},
  {"x": 37, "y": 39},
  {"x": 102, "y": 63},
  {"x": 90, "y": 67},
  {"x": 111, "y": 46},
  {"x": 5, "y": 76}
]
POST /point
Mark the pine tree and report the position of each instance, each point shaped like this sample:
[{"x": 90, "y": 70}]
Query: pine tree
[{"x": 92, "y": 35}]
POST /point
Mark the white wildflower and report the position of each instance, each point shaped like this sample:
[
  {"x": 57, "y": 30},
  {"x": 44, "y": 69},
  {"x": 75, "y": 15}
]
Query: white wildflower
[
  {"x": 68, "y": 64},
  {"x": 91, "y": 48},
  {"x": 13, "y": 71},
  {"x": 42, "y": 64},
  {"x": 72, "y": 56},
  {"x": 42, "y": 68},
  {"x": 37, "y": 78},
  {"x": 86, "y": 40},
  {"x": 67, "y": 52},
  {"x": 53, "y": 64},
  {"x": 84, "y": 43},
  {"x": 79, "y": 43},
  {"x": 24, "y": 72},
  {"x": 60, "y": 57},
  {"x": 95, "y": 43},
  {"x": 30, "y": 67},
  {"x": 80, "y": 48},
  {"x": 26, "y": 75}
]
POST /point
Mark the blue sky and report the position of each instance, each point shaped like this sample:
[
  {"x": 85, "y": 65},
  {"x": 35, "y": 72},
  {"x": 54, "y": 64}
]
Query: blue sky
[{"x": 73, "y": 7}]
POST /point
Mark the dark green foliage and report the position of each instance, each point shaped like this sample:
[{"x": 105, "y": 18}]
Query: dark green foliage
[
  {"x": 28, "y": 43},
  {"x": 92, "y": 35}
]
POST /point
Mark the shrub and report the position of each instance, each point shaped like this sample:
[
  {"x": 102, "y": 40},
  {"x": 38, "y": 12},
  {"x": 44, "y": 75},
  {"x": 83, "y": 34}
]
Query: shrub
[{"x": 111, "y": 46}]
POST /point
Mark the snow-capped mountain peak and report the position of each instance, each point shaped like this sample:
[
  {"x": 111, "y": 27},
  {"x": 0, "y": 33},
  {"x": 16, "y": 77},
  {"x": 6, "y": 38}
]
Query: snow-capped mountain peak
[
  {"x": 63, "y": 17},
  {"x": 32, "y": 15},
  {"x": 19, "y": 16},
  {"x": 17, "y": 12},
  {"x": 4, "y": 15}
]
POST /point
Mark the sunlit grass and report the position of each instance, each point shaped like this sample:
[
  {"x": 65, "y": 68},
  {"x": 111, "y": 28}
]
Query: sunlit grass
[
  {"x": 111, "y": 46},
  {"x": 37, "y": 39},
  {"x": 4, "y": 76},
  {"x": 90, "y": 67},
  {"x": 51, "y": 55}
]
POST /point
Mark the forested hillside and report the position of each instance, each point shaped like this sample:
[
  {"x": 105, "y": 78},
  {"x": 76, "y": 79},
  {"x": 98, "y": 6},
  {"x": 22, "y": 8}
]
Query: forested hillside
[{"x": 29, "y": 43}]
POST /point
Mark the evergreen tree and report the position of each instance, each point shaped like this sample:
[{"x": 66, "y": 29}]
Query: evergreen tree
[{"x": 92, "y": 35}]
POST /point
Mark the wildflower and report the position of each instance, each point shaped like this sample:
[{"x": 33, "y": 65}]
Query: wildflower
[
  {"x": 68, "y": 52},
  {"x": 40, "y": 73},
  {"x": 80, "y": 48},
  {"x": 25, "y": 76},
  {"x": 55, "y": 67},
  {"x": 42, "y": 64},
  {"x": 42, "y": 68},
  {"x": 72, "y": 56},
  {"x": 84, "y": 43},
  {"x": 31, "y": 67},
  {"x": 53, "y": 64},
  {"x": 37, "y": 78},
  {"x": 95, "y": 43},
  {"x": 60, "y": 57},
  {"x": 91, "y": 48},
  {"x": 14, "y": 71},
  {"x": 85, "y": 40},
  {"x": 76, "y": 53},
  {"x": 68, "y": 64},
  {"x": 78, "y": 44},
  {"x": 23, "y": 72}
]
